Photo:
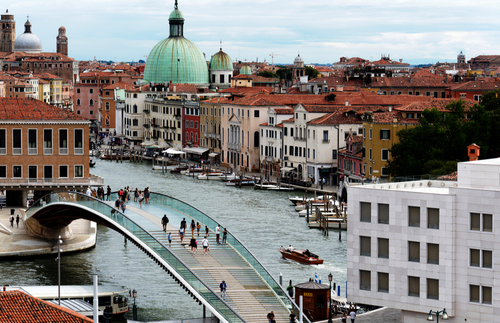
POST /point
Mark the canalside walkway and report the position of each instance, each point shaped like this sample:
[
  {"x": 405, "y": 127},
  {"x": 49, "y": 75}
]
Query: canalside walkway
[{"x": 16, "y": 242}]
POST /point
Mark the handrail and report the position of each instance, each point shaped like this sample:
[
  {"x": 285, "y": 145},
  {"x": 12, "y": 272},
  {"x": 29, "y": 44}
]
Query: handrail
[
  {"x": 199, "y": 285},
  {"x": 241, "y": 249}
]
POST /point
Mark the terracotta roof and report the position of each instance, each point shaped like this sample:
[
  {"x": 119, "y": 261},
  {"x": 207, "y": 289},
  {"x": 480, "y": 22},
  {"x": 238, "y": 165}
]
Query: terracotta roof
[
  {"x": 182, "y": 88},
  {"x": 390, "y": 116},
  {"x": 32, "y": 57},
  {"x": 262, "y": 79},
  {"x": 283, "y": 111},
  {"x": 31, "y": 109},
  {"x": 243, "y": 90},
  {"x": 338, "y": 116},
  {"x": 17, "y": 306},
  {"x": 450, "y": 177},
  {"x": 482, "y": 85},
  {"x": 119, "y": 85},
  {"x": 439, "y": 104},
  {"x": 242, "y": 77},
  {"x": 48, "y": 76}
]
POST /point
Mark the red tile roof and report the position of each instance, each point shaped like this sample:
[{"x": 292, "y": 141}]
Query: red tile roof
[
  {"x": 482, "y": 85},
  {"x": 119, "y": 85},
  {"x": 31, "y": 109},
  {"x": 439, "y": 104},
  {"x": 16, "y": 306},
  {"x": 283, "y": 111}
]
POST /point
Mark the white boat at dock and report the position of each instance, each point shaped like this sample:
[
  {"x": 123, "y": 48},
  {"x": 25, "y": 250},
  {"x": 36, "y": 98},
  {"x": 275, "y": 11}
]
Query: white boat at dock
[
  {"x": 115, "y": 297},
  {"x": 189, "y": 172},
  {"x": 298, "y": 199},
  {"x": 228, "y": 177},
  {"x": 272, "y": 187},
  {"x": 210, "y": 176}
]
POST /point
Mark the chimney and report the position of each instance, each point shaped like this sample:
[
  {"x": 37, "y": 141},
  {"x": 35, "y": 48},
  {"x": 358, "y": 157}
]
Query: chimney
[
  {"x": 473, "y": 152},
  {"x": 346, "y": 103}
]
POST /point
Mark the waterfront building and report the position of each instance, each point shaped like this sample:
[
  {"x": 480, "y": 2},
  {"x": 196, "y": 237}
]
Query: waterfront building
[
  {"x": 134, "y": 130},
  {"x": 43, "y": 149},
  {"x": 427, "y": 245},
  {"x": 271, "y": 139},
  {"x": 210, "y": 127},
  {"x": 111, "y": 104},
  {"x": 351, "y": 159}
]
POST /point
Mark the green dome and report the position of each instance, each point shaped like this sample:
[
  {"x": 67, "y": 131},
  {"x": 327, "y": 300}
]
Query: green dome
[
  {"x": 176, "y": 14},
  {"x": 176, "y": 59},
  {"x": 245, "y": 70},
  {"x": 221, "y": 61}
]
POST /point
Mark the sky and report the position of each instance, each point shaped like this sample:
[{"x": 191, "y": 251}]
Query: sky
[{"x": 322, "y": 31}]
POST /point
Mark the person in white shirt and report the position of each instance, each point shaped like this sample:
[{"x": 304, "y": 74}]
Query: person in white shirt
[
  {"x": 89, "y": 192},
  {"x": 204, "y": 243},
  {"x": 217, "y": 234}
]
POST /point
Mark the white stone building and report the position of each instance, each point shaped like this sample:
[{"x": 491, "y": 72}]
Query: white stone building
[{"x": 428, "y": 245}]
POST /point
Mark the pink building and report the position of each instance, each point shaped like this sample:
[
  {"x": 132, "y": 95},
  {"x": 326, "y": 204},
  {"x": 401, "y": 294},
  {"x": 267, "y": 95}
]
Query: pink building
[{"x": 351, "y": 159}]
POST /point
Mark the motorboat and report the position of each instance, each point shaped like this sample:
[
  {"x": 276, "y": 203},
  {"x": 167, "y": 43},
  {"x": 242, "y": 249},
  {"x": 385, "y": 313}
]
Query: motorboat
[
  {"x": 210, "y": 176},
  {"x": 297, "y": 199},
  {"x": 241, "y": 182},
  {"x": 91, "y": 162},
  {"x": 178, "y": 169},
  {"x": 190, "y": 171},
  {"x": 302, "y": 256},
  {"x": 227, "y": 177}
]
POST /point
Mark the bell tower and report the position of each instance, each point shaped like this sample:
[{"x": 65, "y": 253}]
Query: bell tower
[
  {"x": 62, "y": 42},
  {"x": 7, "y": 33}
]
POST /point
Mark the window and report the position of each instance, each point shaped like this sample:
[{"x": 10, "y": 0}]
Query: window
[
  {"x": 475, "y": 255},
  {"x": 477, "y": 97},
  {"x": 107, "y": 106},
  {"x": 364, "y": 132},
  {"x": 366, "y": 211},
  {"x": 78, "y": 141},
  {"x": 474, "y": 294},
  {"x": 383, "y": 282},
  {"x": 334, "y": 154},
  {"x": 78, "y": 91},
  {"x": 433, "y": 254},
  {"x": 370, "y": 134},
  {"x": 32, "y": 144},
  {"x": 413, "y": 251},
  {"x": 17, "y": 142},
  {"x": 63, "y": 141},
  {"x": 413, "y": 216},
  {"x": 91, "y": 91},
  {"x": 487, "y": 259},
  {"x": 481, "y": 222},
  {"x": 385, "y": 134},
  {"x": 63, "y": 171},
  {"x": 383, "y": 213},
  {"x": 3, "y": 171},
  {"x": 365, "y": 280},
  {"x": 325, "y": 136},
  {"x": 3, "y": 141},
  {"x": 47, "y": 171},
  {"x": 413, "y": 286},
  {"x": 385, "y": 171},
  {"x": 385, "y": 154},
  {"x": 486, "y": 295},
  {"x": 78, "y": 171},
  {"x": 78, "y": 102},
  {"x": 256, "y": 113},
  {"x": 432, "y": 288},
  {"x": 17, "y": 171},
  {"x": 432, "y": 218},
  {"x": 365, "y": 246},
  {"x": 383, "y": 248},
  {"x": 32, "y": 171}
]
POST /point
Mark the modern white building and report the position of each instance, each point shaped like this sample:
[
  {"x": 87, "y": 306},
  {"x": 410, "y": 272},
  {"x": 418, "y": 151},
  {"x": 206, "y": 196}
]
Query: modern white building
[{"x": 428, "y": 245}]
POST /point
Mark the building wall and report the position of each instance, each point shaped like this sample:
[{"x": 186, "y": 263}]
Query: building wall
[
  {"x": 83, "y": 94},
  {"x": 40, "y": 159}
]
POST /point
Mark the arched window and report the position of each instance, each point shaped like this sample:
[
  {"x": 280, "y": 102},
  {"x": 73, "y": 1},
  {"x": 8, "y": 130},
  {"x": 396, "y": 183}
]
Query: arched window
[
  {"x": 91, "y": 102},
  {"x": 192, "y": 136},
  {"x": 77, "y": 101},
  {"x": 256, "y": 139},
  {"x": 107, "y": 105},
  {"x": 134, "y": 108},
  {"x": 195, "y": 137}
]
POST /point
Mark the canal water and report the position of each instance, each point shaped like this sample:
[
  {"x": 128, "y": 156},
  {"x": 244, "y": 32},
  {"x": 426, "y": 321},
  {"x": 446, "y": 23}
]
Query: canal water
[{"x": 262, "y": 220}]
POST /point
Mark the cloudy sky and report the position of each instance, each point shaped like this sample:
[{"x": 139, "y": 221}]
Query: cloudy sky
[{"x": 417, "y": 31}]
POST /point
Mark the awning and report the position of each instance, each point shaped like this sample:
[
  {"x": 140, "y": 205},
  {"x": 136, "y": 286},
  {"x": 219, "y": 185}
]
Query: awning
[
  {"x": 195, "y": 150},
  {"x": 171, "y": 151},
  {"x": 213, "y": 154},
  {"x": 287, "y": 169}
]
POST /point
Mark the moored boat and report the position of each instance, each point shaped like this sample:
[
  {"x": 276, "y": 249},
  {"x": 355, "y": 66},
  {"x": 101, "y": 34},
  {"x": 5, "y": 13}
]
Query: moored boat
[
  {"x": 210, "y": 176},
  {"x": 241, "y": 182},
  {"x": 302, "y": 256},
  {"x": 178, "y": 169}
]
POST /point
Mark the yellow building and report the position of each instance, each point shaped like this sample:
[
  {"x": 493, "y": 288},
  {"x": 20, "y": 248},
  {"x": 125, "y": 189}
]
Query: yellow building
[
  {"x": 210, "y": 127},
  {"x": 44, "y": 91},
  {"x": 56, "y": 93},
  {"x": 379, "y": 134}
]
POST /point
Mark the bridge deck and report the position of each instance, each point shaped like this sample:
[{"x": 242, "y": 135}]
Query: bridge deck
[{"x": 247, "y": 293}]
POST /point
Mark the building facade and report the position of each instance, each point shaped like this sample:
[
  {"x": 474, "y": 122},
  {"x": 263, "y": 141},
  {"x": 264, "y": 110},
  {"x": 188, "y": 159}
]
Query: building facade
[{"x": 427, "y": 245}]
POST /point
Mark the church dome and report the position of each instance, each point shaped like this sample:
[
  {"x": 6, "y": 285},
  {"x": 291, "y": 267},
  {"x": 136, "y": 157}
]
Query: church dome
[
  {"x": 246, "y": 70},
  {"x": 461, "y": 55},
  {"x": 176, "y": 58},
  {"x": 221, "y": 61},
  {"x": 298, "y": 59},
  {"x": 28, "y": 42}
]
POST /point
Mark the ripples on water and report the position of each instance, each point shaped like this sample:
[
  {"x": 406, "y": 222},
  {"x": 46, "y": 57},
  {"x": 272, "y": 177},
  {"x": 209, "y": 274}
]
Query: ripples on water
[{"x": 261, "y": 220}]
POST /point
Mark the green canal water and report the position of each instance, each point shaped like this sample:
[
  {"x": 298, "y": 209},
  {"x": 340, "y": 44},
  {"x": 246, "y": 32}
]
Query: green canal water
[{"x": 262, "y": 220}]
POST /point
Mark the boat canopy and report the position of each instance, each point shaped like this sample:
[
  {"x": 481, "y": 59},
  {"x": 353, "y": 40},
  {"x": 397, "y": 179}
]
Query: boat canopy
[
  {"x": 195, "y": 150},
  {"x": 213, "y": 154},
  {"x": 171, "y": 151},
  {"x": 287, "y": 169}
]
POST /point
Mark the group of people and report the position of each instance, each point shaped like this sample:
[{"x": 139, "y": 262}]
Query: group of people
[
  {"x": 270, "y": 317},
  {"x": 11, "y": 220},
  {"x": 217, "y": 235},
  {"x": 124, "y": 195}
]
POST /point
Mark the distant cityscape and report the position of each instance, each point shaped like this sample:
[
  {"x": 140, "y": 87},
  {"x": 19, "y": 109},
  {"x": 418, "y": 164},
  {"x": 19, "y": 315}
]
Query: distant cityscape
[{"x": 350, "y": 123}]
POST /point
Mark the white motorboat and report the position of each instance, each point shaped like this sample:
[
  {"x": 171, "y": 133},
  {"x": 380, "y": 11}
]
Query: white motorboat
[
  {"x": 298, "y": 199},
  {"x": 210, "y": 176},
  {"x": 191, "y": 171},
  {"x": 228, "y": 177},
  {"x": 272, "y": 187}
]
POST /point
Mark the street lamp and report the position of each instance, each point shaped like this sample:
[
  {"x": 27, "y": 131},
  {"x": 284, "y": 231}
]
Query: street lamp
[
  {"x": 134, "y": 309},
  {"x": 330, "y": 278},
  {"x": 443, "y": 314},
  {"x": 59, "y": 241}
]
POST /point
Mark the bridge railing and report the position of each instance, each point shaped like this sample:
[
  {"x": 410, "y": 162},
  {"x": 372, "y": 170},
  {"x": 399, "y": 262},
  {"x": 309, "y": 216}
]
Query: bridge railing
[
  {"x": 205, "y": 219},
  {"x": 160, "y": 249}
]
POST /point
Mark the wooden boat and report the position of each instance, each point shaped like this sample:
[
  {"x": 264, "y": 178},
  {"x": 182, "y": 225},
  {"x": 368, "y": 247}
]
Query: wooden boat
[
  {"x": 178, "y": 169},
  {"x": 210, "y": 176},
  {"x": 302, "y": 256},
  {"x": 191, "y": 171},
  {"x": 114, "y": 157}
]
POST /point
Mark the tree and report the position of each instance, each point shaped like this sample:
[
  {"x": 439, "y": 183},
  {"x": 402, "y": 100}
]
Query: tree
[
  {"x": 284, "y": 73},
  {"x": 441, "y": 139},
  {"x": 268, "y": 74},
  {"x": 311, "y": 72}
]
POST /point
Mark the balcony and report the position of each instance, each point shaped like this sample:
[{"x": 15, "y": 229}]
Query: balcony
[
  {"x": 3, "y": 151},
  {"x": 146, "y": 125},
  {"x": 299, "y": 138},
  {"x": 32, "y": 151},
  {"x": 47, "y": 151},
  {"x": 17, "y": 151},
  {"x": 146, "y": 112},
  {"x": 78, "y": 151},
  {"x": 234, "y": 146},
  {"x": 40, "y": 182},
  {"x": 63, "y": 151}
]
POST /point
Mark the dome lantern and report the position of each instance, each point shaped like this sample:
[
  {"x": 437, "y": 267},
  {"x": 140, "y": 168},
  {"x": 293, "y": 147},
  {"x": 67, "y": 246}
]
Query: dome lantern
[{"x": 28, "y": 42}]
